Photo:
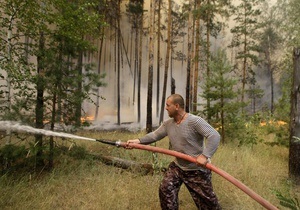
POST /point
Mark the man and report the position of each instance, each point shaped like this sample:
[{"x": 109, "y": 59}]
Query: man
[{"x": 186, "y": 133}]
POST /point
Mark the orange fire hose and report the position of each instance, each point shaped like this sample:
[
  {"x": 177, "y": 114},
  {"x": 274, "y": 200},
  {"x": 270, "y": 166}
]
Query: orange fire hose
[{"x": 209, "y": 166}]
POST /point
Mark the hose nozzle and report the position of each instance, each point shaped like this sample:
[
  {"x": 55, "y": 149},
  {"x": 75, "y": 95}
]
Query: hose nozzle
[{"x": 117, "y": 143}]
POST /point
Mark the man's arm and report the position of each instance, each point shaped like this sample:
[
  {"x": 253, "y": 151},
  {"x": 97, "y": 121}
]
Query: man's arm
[
  {"x": 149, "y": 138},
  {"x": 212, "y": 136}
]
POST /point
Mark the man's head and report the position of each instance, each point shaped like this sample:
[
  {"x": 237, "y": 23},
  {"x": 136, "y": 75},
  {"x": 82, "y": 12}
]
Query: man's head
[{"x": 174, "y": 105}]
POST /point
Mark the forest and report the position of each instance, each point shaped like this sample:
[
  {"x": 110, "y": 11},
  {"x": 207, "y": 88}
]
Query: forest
[{"x": 88, "y": 66}]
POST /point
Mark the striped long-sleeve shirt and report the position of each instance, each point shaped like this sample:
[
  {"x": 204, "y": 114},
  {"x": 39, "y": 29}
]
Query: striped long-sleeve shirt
[{"x": 188, "y": 138}]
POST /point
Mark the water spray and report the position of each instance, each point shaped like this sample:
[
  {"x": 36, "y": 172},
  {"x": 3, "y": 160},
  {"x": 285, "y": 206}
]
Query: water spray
[{"x": 14, "y": 126}]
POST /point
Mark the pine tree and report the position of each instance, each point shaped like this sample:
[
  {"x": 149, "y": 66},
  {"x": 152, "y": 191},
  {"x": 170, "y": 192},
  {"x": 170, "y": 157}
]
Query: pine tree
[
  {"x": 219, "y": 88},
  {"x": 209, "y": 11},
  {"x": 245, "y": 40},
  {"x": 150, "y": 68}
]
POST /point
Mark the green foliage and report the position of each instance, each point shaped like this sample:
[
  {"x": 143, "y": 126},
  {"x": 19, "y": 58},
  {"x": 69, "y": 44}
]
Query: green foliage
[
  {"x": 254, "y": 92},
  {"x": 60, "y": 23},
  {"x": 135, "y": 9},
  {"x": 73, "y": 80},
  {"x": 282, "y": 108},
  {"x": 245, "y": 40},
  {"x": 249, "y": 137},
  {"x": 219, "y": 85},
  {"x": 281, "y": 133},
  {"x": 289, "y": 25},
  {"x": 78, "y": 152},
  {"x": 247, "y": 130},
  {"x": 15, "y": 52},
  {"x": 243, "y": 130},
  {"x": 219, "y": 90},
  {"x": 37, "y": 154},
  {"x": 245, "y": 30},
  {"x": 288, "y": 201},
  {"x": 10, "y": 155}
]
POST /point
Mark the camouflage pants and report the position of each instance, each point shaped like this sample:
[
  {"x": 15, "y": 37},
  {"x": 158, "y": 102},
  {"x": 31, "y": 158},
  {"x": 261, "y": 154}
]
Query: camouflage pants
[{"x": 197, "y": 182}]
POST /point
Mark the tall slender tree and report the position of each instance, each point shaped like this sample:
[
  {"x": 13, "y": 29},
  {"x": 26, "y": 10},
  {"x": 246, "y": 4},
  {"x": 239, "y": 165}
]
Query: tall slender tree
[
  {"x": 167, "y": 61},
  {"x": 221, "y": 92},
  {"x": 197, "y": 54},
  {"x": 159, "y": 3},
  {"x": 294, "y": 155},
  {"x": 141, "y": 28},
  {"x": 118, "y": 60},
  {"x": 189, "y": 56},
  {"x": 150, "y": 68},
  {"x": 40, "y": 88},
  {"x": 209, "y": 11},
  {"x": 245, "y": 39}
]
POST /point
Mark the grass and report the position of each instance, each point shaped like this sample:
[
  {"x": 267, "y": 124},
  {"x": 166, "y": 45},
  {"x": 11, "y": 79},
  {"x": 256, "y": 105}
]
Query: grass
[{"x": 87, "y": 183}]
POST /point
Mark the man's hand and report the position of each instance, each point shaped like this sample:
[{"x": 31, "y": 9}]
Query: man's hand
[
  {"x": 132, "y": 141},
  {"x": 202, "y": 160}
]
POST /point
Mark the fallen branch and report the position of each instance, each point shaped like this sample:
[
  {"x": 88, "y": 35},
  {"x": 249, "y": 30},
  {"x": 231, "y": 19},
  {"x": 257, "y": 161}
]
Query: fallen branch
[{"x": 143, "y": 168}]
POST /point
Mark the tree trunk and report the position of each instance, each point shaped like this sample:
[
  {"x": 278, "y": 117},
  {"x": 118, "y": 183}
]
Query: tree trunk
[
  {"x": 99, "y": 72},
  {"x": 166, "y": 63},
  {"x": 272, "y": 90},
  {"x": 244, "y": 73},
  {"x": 51, "y": 144},
  {"x": 172, "y": 80},
  {"x": 118, "y": 31},
  {"x": 189, "y": 58},
  {"x": 294, "y": 155},
  {"x": 222, "y": 121},
  {"x": 141, "y": 25},
  {"x": 208, "y": 25},
  {"x": 79, "y": 91},
  {"x": 190, "y": 63},
  {"x": 158, "y": 57},
  {"x": 197, "y": 57},
  {"x": 56, "y": 93},
  {"x": 150, "y": 70},
  {"x": 39, "y": 109},
  {"x": 136, "y": 58},
  {"x": 270, "y": 69},
  {"x": 8, "y": 79}
]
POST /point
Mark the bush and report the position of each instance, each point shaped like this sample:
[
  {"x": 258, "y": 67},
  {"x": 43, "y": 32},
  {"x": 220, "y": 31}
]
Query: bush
[
  {"x": 11, "y": 155},
  {"x": 78, "y": 152}
]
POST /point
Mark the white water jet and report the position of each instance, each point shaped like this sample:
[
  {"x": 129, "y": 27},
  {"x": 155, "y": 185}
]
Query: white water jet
[{"x": 18, "y": 127}]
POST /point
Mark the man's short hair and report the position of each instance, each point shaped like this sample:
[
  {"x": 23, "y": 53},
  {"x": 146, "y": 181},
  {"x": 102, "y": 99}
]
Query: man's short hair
[{"x": 177, "y": 99}]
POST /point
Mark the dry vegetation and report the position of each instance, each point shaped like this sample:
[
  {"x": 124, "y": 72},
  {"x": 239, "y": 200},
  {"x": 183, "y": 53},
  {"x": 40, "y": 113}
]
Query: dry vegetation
[{"x": 77, "y": 183}]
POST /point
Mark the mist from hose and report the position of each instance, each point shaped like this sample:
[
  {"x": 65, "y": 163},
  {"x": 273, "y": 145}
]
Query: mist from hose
[{"x": 18, "y": 127}]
